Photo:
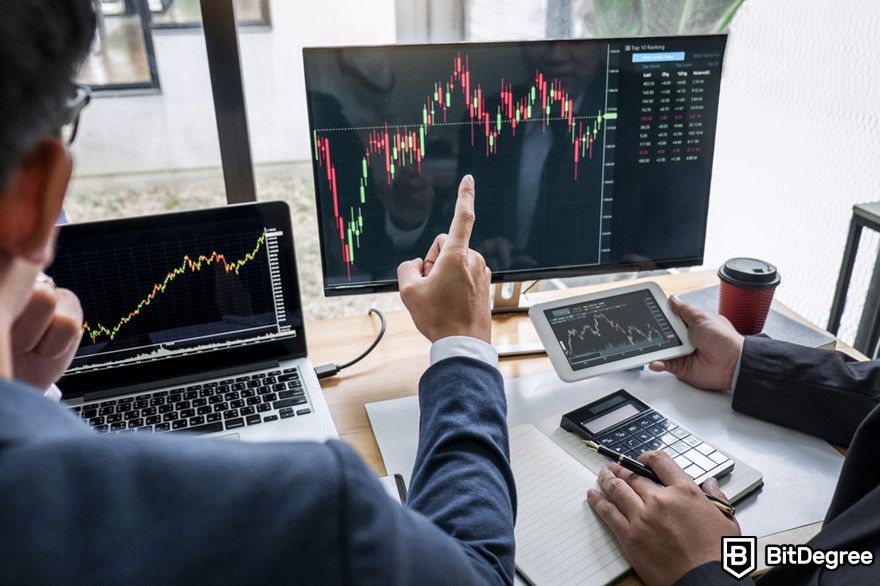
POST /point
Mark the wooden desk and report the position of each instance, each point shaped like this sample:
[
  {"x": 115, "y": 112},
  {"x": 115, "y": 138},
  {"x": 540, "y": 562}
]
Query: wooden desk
[{"x": 393, "y": 369}]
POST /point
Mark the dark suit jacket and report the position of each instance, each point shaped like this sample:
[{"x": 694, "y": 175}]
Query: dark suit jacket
[
  {"x": 829, "y": 395},
  {"x": 80, "y": 508}
]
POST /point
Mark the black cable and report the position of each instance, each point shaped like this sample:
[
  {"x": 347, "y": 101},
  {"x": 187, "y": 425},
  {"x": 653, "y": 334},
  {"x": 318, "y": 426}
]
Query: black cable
[
  {"x": 328, "y": 370},
  {"x": 529, "y": 288},
  {"x": 382, "y": 327}
]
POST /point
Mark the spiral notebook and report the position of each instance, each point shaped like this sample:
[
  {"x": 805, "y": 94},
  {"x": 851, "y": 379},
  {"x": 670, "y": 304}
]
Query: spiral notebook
[{"x": 559, "y": 538}]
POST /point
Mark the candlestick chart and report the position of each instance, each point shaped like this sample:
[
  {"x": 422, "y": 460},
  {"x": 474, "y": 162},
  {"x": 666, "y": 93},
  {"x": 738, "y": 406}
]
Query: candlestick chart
[
  {"x": 490, "y": 112},
  {"x": 617, "y": 327}
]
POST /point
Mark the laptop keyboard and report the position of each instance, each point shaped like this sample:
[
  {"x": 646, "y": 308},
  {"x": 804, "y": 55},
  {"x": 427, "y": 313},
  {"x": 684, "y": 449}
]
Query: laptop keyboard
[
  {"x": 653, "y": 431},
  {"x": 221, "y": 405}
]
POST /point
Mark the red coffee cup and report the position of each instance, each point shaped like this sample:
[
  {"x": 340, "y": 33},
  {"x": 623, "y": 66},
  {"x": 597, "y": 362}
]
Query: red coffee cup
[{"x": 747, "y": 286}]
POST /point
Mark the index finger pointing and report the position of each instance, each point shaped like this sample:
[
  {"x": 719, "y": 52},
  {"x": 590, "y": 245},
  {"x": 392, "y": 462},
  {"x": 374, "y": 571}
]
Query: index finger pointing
[{"x": 463, "y": 221}]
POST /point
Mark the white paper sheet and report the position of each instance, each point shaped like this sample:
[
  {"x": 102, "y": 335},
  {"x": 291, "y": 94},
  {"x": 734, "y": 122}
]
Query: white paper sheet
[
  {"x": 559, "y": 539},
  {"x": 800, "y": 472}
]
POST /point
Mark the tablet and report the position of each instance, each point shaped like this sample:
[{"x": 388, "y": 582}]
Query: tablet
[{"x": 609, "y": 331}]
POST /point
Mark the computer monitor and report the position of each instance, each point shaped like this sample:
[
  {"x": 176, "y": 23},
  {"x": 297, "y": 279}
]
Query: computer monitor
[{"x": 589, "y": 156}]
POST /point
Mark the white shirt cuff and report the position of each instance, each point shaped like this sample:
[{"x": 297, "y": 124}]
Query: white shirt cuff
[
  {"x": 53, "y": 393},
  {"x": 403, "y": 238},
  {"x": 464, "y": 346},
  {"x": 736, "y": 372}
]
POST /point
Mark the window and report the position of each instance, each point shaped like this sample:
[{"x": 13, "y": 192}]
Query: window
[
  {"x": 122, "y": 57},
  {"x": 182, "y": 14}
]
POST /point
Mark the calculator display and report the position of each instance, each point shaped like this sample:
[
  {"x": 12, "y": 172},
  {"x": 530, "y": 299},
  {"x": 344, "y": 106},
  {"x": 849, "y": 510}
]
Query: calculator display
[
  {"x": 607, "y": 420},
  {"x": 608, "y": 412}
]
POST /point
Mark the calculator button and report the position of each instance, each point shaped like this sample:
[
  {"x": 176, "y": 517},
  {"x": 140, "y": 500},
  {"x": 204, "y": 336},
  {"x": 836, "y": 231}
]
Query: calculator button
[
  {"x": 668, "y": 439},
  {"x": 694, "y": 471},
  {"x": 607, "y": 441},
  {"x": 679, "y": 432},
  {"x": 632, "y": 428},
  {"x": 654, "y": 444},
  {"x": 643, "y": 436},
  {"x": 664, "y": 426},
  {"x": 718, "y": 457},
  {"x": 682, "y": 461},
  {"x": 692, "y": 441},
  {"x": 700, "y": 460},
  {"x": 672, "y": 453},
  {"x": 631, "y": 442},
  {"x": 638, "y": 452},
  {"x": 619, "y": 435},
  {"x": 619, "y": 448},
  {"x": 680, "y": 447},
  {"x": 656, "y": 417},
  {"x": 645, "y": 422},
  {"x": 705, "y": 449},
  {"x": 655, "y": 430}
]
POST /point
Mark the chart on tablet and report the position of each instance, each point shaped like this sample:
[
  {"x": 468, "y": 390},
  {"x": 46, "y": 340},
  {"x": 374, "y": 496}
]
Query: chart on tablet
[{"x": 612, "y": 328}]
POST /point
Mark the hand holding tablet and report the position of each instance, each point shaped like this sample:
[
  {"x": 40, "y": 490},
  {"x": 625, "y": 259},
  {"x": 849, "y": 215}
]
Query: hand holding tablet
[{"x": 609, "y": 331}]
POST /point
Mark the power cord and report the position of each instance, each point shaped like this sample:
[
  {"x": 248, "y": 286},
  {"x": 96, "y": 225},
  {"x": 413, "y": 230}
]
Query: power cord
[
  {"x": 328, "y": 370},
  {"x": 530, "y": 287}
]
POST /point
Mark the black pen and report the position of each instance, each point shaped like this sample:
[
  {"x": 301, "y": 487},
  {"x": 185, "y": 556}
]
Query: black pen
[{"x": 638, "y": 468}]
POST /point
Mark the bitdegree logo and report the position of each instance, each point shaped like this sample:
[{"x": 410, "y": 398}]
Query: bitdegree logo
[
  {"x": 803, "y": 555},
  {"x": 738, "y": 556}
]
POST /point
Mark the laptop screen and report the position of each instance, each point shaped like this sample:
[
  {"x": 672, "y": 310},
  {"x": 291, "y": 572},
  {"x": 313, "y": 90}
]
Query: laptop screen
[{"x": 180, "y": 294}]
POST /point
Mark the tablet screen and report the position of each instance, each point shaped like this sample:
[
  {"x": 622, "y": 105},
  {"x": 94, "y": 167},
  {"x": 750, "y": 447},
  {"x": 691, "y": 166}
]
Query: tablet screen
[{"x": 596, "y": 332}]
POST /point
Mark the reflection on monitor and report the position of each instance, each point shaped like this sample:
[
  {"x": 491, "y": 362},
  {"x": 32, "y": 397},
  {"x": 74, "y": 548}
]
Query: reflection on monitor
[
  {"x": 622, "y": 326},
  {"x": 588, "y": 155}
]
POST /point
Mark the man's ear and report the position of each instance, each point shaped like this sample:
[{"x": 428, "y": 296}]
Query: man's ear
[{"x": 32, "y": 199}]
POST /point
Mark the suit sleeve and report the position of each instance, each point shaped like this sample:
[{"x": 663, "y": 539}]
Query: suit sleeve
[
  {"x": 82, "y": 508},
  {"x": 712, "y": 573},
  {"x": 821, "y": 392},
  {"x": 462, "y": 480}
]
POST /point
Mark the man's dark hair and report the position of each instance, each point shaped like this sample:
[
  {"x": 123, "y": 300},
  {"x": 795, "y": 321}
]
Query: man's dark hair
[{"x": 42, "y": 45}]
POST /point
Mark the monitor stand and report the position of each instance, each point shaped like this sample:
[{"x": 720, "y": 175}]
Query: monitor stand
[{"x": 509, "y": 298}]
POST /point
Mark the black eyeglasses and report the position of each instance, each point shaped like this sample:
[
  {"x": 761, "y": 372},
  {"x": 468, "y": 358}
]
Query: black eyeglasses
[{"x": 80, "y": 98}]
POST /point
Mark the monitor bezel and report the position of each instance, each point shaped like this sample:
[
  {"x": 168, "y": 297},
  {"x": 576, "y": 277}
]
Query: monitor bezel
[
  {"x": 503, "y": 276},
  {"x": 107, "y": 382}
]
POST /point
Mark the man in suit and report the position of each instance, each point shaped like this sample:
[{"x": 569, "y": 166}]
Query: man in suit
[
  {"x": 76, "y": 507},
  {"x": 671, "y": 535}
]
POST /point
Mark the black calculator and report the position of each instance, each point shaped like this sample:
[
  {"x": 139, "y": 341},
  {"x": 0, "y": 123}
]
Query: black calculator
[{"x": 628, "y": 426}]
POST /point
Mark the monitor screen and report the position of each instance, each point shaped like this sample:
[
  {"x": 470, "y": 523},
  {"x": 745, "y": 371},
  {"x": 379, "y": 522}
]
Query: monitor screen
[
  {"x": 178, "y": 294},
  {"x": 588, "y": 155}
]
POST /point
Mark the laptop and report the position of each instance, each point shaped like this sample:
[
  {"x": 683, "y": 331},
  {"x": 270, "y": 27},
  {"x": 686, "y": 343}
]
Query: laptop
[{"x": 192, "y": 324}]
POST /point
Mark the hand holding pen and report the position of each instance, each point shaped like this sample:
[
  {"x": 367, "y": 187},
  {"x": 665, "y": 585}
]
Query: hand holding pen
[{"x": 665, "y": 529}]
